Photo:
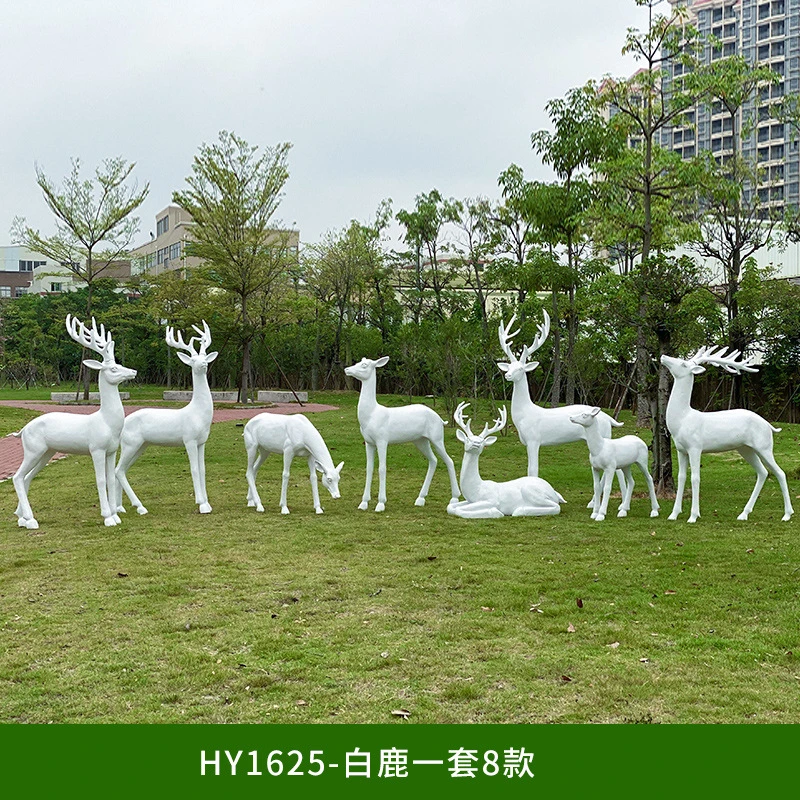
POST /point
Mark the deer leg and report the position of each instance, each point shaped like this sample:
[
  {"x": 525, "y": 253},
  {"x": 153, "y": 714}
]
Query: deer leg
[
  {"x": 480, "y": 509},
  {"x": 99, "y": 461},
  {"x": 32, "y": 462},
  {"x": 255, "y": 458},
  {"x": 424, "y": 446},
  {"x": 751, "y": 457},
  {"x": 314, "y": 485},
  {"x": 537, "y": 511},
  {"x": 32, "y": 473},
  {"x": 594, "y": 504},
  {"x": 608, "y": 480},
  {"x": 111, "y": 484},
  {"x": 205, "y": 506},
  {"x": 533, "y": 459},
  {"x": 683, "y": 461},
  {"x": 381, "y": 448},
  {"x": 694, "y": 466},
  {"x": 622, "y": 478},
  {"x": 126, "y": 460},
  {"x": 650, "y": 487},
  {"x": 769, "y": 461},
  {"x": 367, "y": 496},
  {"x": 455, "y": 491},
  {"x": 627, "y": 492},
  {"x": 191, "y": 452},
  {"x": 288, "y": 457}
]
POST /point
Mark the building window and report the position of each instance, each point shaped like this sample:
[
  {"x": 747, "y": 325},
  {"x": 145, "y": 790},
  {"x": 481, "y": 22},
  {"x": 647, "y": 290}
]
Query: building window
[
  {"x": 776, "y": 193},
  {"x": 763, "y": 11},
  {"x": 776, "y": 132},
  {"x": 730, "y": 11},
  {"x": 162, "y": 226},
  {"x": 763, "y": 32},
  {"x": 777, "y": 90},
  {"x": 776, "y": 173},
  {"x": 162, "y": 255},
  {"x": 55, "y": 287},
  {"x": 30, "y": 266},
  {"x": 778, "y": 49},
  {"x": 763, "y": 134},
  {"x": 729, "y": 49},
  {"x": 174, "y": 251},
  {"x": 5, "y": 291},
  {"x": 763, "y": 52},
  {"x": 729, "y": 30},
  {"x": 716, "y": 145},
  {"x": 778, "y": 28},
  {"x": 777, "y": 8},
  {"x": 716, "y": 15},
  {"x": 688, "y": 152},
  {"x": 20, "y": 291},
  {"x": 763, "y": 153},
  {"x": 776, "y": 152},
  {"x": 716, "y": 126}
]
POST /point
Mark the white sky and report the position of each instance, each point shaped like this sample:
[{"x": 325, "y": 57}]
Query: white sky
[{"x": 380, "y": 98}]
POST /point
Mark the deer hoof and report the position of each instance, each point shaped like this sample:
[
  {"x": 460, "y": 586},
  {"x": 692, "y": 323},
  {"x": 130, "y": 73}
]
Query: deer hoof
[
  {"x": 109, "y": 522},
  {"x": 320, "y": 510},
  {"x": 31, "y": 524},
  {"x": 420, "y": 501},
  {"x": 363, "y": 506},
  {"x": 205, "y": 508},
  {"x": 251, "y": 503},
  {"x": 380, "y": 507},
  {"x": 117, "y": 519},
  {"x": 590, "y": 504},
  {"x": 673, "y": 516},
  {"x": 141, "y": 510},
  {"x": 592, "y": 515},
  {"x": 284, "y": 510},
  {"x": 786, "y": 517},
  {"x": 654, "y": 512},
  {"x": 22, "y": 522},
  {"x": 121, "y": 510},
  {"x": 692, "y": 519},
  {"x": 260, "y": 508},
  {"x": 622, "y": 512},
  {"x": 743, "y": 516},
  {"x": 599, "y": 517}
]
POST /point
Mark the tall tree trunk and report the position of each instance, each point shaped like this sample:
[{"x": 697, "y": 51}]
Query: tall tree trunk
[
  {"x": 569, "y": 398},
  {"x": 555, "y": 392},
  {"x": 87, "y": 375},
  {"x": 244, "y": 382}
]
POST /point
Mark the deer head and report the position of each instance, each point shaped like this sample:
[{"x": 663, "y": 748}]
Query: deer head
[
  {"x": 473, "y": 443},
  {"x": 716, "y": 356},
  {"x": 586, "y": 418},
  {"x": 196, "y": 359},
  {"x": 518, "y": 365},
  {"x": 365, "y": 368},
  {"x": 330, "y": 478},
  {"x": 101, "y": 343}
]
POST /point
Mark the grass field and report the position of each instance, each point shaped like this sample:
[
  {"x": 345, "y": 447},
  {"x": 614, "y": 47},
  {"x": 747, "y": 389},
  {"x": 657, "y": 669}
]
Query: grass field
[{"x": 244, "y": 617}]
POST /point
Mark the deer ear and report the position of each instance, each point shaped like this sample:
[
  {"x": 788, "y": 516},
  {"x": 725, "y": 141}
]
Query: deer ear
[
  {"x": 531, "y": 366},
  {"x": 698, "y": 370},
  {"x": 503, "y": 366},
  {"x": 92, "y": 364},
  {"x": 211, "y": 356},
  {"x": 339, "y": 467},
  {"x": 489, "y": 440},
  {"x": 461, "y": 436},
  {"x": 595, "y": 411},
  {"x": 318, "y": 467},
  {"x": 185, "y": 358},
  {"x": 382, "y": 362}
]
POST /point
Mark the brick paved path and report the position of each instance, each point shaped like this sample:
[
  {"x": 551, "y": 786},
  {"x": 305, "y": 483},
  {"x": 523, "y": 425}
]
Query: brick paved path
[{"x": 11, "y": 446}]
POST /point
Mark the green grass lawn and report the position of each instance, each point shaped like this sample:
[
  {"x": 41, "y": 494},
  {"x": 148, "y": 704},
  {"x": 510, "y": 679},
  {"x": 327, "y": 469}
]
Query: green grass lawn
[{"x": 244, "y": 617}]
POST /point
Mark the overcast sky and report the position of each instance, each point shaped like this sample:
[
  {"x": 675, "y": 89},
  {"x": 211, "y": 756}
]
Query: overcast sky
[{"x": 380, "y": 98}]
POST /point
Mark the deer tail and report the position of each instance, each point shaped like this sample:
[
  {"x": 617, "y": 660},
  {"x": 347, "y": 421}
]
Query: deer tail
[{"x": 776, "y": 430}]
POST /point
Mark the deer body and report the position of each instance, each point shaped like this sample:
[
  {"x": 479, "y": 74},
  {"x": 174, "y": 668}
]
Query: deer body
[
  {"x": 696, "y": 432},
  {"x": 291, "y": 436},
  {"x": 382, "y": 426},
  {"x": 522, "y": 497},
  {"x": 188, "y": 426},
  {"x": 608, "y": 455},
  {"x": 97, "y": 435}
]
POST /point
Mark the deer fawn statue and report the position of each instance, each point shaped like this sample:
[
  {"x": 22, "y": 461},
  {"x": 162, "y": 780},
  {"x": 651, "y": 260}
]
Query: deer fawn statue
[
  {"x": 291, "y": 435},
  {"x": 95, "y": 434},
  {"x": 695, "y": 432},
  {"x": 539, "y": 426},
  {"x": 188, "y": 426},
  {"x": 608, "y": 455},
  {"x": 524, "y": 497},
  {"x": 381, "y": 426}
]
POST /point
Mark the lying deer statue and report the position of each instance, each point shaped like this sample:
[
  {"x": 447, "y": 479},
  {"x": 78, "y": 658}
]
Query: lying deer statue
[
  {"x": 608, "y": 455},
  {"x": 188, "y": 426},
  {"x": 291, "y": 435},
  {"x": 523, "y": 497},
  {"x": 695, "y": 432},
  {"x": 382, "y": 426},
  {"x": 95, "y": 434}
]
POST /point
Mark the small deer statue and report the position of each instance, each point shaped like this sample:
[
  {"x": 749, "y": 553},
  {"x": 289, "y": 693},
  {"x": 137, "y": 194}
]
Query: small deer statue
[
  {"x": 95, "y": 434},
  {"x": 382, "y": 426},
  {"x": 538, "y": 426},
  {"x": 695, "y": 432},
  {"x": 291, "y": 435},
  {"x": 608, "y": 455},
  {"x": 188, "y": 426},
  {"x": 524, "y": 497}
]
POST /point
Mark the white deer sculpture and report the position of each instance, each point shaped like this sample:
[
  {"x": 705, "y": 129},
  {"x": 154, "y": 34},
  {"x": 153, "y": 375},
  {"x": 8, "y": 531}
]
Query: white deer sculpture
[
  {"x": 95, "y": 434},
  {"x": 608, "y": 455},
  {"x": 188, "y": 426},
  {"x": 382, "y": 426},
  {"x": 522, "y": 497},
  {"x": 695, "y": 432},
  {"x": 291, "y": 435},
  {"x": 535, "y": 425}
]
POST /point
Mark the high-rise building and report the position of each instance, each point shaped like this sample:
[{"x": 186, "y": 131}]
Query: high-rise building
[{"x": 763, "y": 32}]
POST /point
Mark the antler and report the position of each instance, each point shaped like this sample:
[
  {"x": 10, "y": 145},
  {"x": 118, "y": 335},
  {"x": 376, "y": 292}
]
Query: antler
[
  {"x": 499, "y": 424},
  {"x": 720, "y": 357},
  {"x": 461, "y": 422},
  {"x": 93, "y": 339},
  {"x": 204, "y": 338},
  {"x": 506, "y": 336}
]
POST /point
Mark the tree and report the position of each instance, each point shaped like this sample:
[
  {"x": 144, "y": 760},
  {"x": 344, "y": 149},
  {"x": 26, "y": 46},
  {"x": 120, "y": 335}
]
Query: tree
[
  {"x": 232, "y": 194},
  {"x": 94, "y": 223}
]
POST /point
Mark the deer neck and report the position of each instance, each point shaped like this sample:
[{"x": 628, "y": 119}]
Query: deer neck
[
  {"x": 201, "y": 394},
  {"x": 593, "y": 438},
  {"x": 521, "y": 395},
  {"x": 110, "y": 402},
  {"x": 367, "y": 400},
  {"x": 470, "y": 477},
  {"x": 680, "y": 401},
  {"x": 315, "y": 445}
]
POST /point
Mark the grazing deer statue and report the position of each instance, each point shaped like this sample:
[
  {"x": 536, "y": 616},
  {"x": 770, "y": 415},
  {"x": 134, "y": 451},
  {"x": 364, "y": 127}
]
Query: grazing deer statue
[
  {"x": 95, "y": 434},
  {"x": 523, "y": 497},
  {"x": 188, "y": 426},
  {"x": 539, "y": 426},
  {"x": 291, "y": 435},
  {"x": 381, "y": 426},
  {"x": 695, "y": 432},
  {"x": 608, "y": 455}
]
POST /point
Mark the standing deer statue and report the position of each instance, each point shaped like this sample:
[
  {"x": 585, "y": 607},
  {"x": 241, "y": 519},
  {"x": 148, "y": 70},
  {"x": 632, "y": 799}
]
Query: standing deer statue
[
  {"x": 539, "y": 426},
  {"x": 608, "y": 455},
  {"x": 291, "y": 435},
  {"x": 523, "y": 497},
  {"x": 695, "y": 432},
  {"x": 95, "y": 434},
  {"x": 188, "y": 426},
  {"x": 381, "y": 426}
]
